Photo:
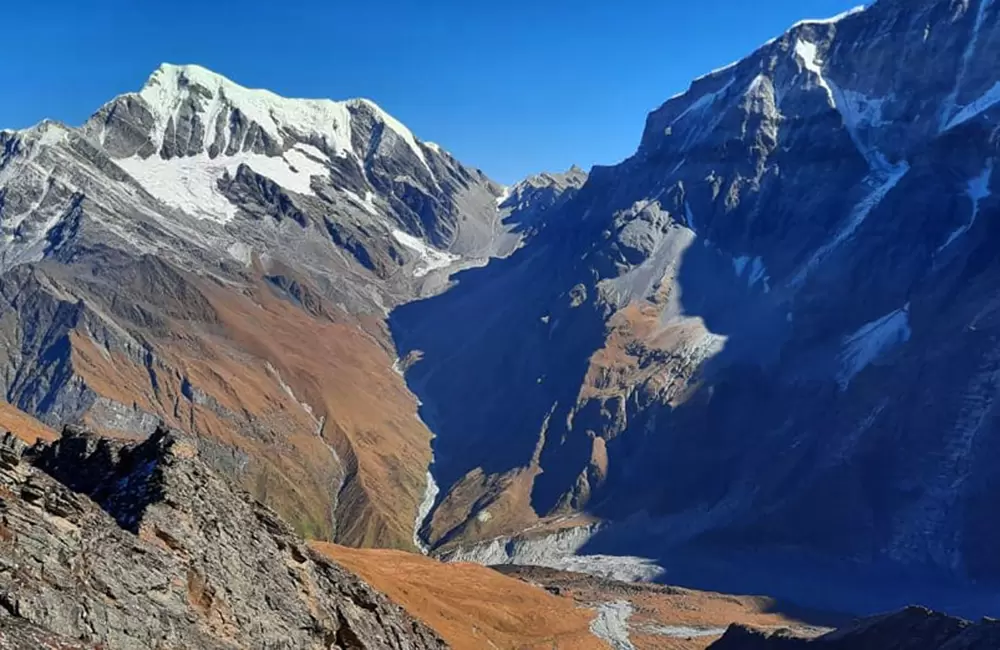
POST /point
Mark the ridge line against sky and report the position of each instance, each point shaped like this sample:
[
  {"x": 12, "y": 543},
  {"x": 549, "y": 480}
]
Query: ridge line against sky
[{"x": 513, "y": 88}]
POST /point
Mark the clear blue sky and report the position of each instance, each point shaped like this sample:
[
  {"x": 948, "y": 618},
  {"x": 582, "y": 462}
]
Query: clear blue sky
[{"x": 512, "y": 87}]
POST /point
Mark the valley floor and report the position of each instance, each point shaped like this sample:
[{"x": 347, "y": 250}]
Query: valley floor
[{"x": 474, "y": 607}]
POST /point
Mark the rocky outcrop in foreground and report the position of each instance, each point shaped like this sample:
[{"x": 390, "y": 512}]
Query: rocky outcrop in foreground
[
  {"x": 914, "y": 628},
  {"x": 142, "y": 546}
]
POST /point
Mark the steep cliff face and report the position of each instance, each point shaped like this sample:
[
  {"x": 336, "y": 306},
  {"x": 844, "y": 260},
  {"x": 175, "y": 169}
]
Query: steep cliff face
[
  {"x": 771, "y": 328},
  {"x": 143, "y": 546}
]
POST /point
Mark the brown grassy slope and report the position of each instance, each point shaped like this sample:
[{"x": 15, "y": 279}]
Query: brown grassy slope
[
  {"x": 345, "y": 373},
  {"x": 470, "y": 606},
  {"x": 276, "y": 384},
  {"x": 23, "y": 425}
]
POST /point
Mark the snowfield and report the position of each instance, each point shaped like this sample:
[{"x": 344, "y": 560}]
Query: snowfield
[{"x": 430, "y": 259}]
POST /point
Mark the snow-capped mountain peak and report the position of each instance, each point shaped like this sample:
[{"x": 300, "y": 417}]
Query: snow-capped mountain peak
[
  {"x": 214, "y": 105},
  {"x": 207, "y": 161},
  {"x": 189, "y": 127},
  {"x": 191, "y": 93}
]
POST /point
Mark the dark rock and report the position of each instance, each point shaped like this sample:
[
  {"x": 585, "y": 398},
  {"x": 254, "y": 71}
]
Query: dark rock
[
  {"x": 793, "y": 290},
  {"x": 914, "y": 628},
  {"x": 11, "y": 450}
]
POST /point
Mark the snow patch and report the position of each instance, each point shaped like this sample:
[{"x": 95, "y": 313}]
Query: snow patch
[
  {"x": 758, "y": 272},
  {"x": 367, "y": 203},
  {"x": 187, "y": 184},
  {"x": 948, "y": 122},
  {"x": 988, "y": 100},
  {"x": 558, "y": 550},
  {"x": 430, "y": 258},
  {"x": 832, "y": 20},
  {"x": 809, "y": 55},
  {"x": 241, "y": 253},
  {"x": 871, "y": 341},
  {"x": 293, "y": 171},
  {"x": 884, "y": 183},
  {"x": 431, "y": 491},
  {"x": 859, "y": 112},
  {"x": 611, "y": 624},
  {"x": 683, "y": 631},
  {"x": 978, "y": 189},
  {"x": 190, "y": 184},
  {"x": 51, "y": 134}
]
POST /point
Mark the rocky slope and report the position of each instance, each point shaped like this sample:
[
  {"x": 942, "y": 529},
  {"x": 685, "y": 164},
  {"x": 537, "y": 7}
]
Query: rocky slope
[
  {"x": 472, "y": 606},
  {"x": 23, "y": 425},
  {"x": 768, "y": 336},
  {"x": 144, "y": 546},
  {"x": 222, "y": 259},
  {"x": 767, "y": 339}
]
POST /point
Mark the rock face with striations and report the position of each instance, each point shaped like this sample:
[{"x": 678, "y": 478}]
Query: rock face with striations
[{"x": 143, "y": 546}]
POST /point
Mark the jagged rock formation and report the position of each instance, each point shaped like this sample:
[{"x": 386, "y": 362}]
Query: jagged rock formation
[
  {"x": 912, "y": 629},
  {"x": 768, "y": 336},
  {"x": 143, "y": 546},
  {"x": 527, "y": 204}
]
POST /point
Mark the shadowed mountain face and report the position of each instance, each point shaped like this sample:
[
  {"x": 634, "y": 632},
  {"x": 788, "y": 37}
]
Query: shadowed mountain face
[{"x": 773, "y": 329}]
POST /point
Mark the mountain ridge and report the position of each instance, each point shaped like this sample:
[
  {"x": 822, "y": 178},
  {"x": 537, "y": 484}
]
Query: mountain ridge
[
  {"x": 127, "y": 285},
  {"x": 753, "y": 311},
  {"x": 783, "y": 294}
]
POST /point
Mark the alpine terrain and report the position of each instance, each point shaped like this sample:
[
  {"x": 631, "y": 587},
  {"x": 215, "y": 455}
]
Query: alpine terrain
[
  {"x": 760, "y": 355},
  {"x": 222, "y": 260}
]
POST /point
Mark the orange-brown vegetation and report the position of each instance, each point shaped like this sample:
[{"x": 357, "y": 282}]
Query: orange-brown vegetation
[
  {"x": 307, "y": 403},
  {"x": 470, "y": 606},
  {"x": 504, "y": 502},
  {"x": 659, "y": 610},
  {"x": 23, "y": 425},
  {"x": 635, "y": 336}
]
